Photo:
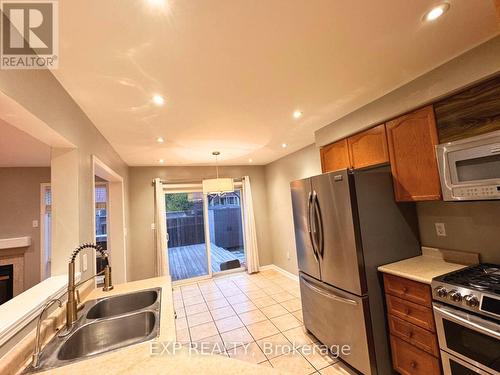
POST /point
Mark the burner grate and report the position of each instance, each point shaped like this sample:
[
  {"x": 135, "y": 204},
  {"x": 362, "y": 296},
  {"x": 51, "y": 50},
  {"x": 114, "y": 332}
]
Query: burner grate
[{"x": 483, "y": 277}]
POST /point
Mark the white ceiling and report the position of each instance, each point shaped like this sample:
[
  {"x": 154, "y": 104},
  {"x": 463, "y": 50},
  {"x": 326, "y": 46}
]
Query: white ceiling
[
  {"x": 18, "y": 149},
  {"x": 233, "y": 71}
]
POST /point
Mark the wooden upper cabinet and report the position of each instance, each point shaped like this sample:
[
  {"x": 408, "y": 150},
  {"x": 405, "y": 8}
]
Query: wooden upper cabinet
[
  {"x": 412, "y": 139},
  {"x": 368, "y": 148},
  {"x": 335, "y": 156}
]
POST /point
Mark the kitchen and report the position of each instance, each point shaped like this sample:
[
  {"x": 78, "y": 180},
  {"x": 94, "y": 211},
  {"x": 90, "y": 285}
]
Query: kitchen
[{"x": 366, "y": 223}]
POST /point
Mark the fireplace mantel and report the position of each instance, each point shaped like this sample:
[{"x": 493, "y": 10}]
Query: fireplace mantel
[{"x": 12, "y": 243}]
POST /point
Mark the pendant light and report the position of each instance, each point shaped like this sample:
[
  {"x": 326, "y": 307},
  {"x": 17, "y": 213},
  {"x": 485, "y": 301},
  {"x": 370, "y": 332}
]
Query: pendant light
[{"x": 218, "y": 186}]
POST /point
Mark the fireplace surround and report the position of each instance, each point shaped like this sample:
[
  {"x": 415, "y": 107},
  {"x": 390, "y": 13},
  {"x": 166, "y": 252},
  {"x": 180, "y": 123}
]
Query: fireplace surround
[{"x": 6, "y": 282}]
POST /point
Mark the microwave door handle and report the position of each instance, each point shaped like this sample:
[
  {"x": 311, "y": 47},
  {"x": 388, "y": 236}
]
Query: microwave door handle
[
  {"x": 467, "y": 323},
  {"x": 309, "y": 225},
  {"x": 329, "y": 295}
]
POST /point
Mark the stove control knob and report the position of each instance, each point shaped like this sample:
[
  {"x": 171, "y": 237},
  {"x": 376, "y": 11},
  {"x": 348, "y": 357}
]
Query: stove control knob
[
  {"x": 441, "y": 291},
  {"x": 455, "y": 295},
  {"x": 471, "y": 300}
]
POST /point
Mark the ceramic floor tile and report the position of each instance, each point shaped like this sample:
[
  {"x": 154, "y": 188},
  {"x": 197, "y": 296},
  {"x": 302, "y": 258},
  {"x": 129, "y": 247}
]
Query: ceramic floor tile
[
  {"x": 272, "y": 290},
  {"x": 182, "y": 335},
  {"x": 298, "y": 315},
  {"x": 274, "y": 310},
  {"x": 248, "y": 353},
  {"x": 292, "y": 305},
  {"x": 217, "y": 303},
  {"x": 180, "y": 312},
  {"x": 213, "y": 296},
  {"x": 255, "y": 294},
  {"x": 178, "y": 304},
  {"x": 237, "y": 298},
  {"x": 222, "y": 313},
  {"x": 200, "y": 318},
  {"x": 228, "y": 324},
  {"x": 228, "y": 292},
  {"x": 203, "y": 331},
  {"x": 285, "y": 322},
  {"x": 298, "y": 336},
  {"x": 181, "y": 323},
  {"x": 317, "y": 355},
  {"x": 282, "y": 297},
  {"x": 337, "y": 369},
  {"x": 293, "y": 363},
  {"x": 251, "y": 317},
  {"x": 244, "y": 307},
  {"x": 262, "y": 329},
  {"x": 195, "y": 309},
  {"x": 274, "y": 346},
  {"x": 236, "y": 337},
  {"x": 263, "y": 302},
  {"x": 266, "y": 363},
  {"x": 209, "y": 345},
  {"x": 193, "y": 300}
]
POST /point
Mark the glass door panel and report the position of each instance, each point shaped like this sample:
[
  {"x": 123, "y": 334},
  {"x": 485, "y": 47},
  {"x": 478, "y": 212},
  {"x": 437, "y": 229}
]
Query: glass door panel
[
  {"x": 226, "y": 232},
  {"x": 187, "y": 250}
]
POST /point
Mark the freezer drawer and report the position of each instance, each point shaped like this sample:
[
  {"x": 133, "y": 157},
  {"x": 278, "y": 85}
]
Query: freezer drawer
[{"x": 339, "y": 318}]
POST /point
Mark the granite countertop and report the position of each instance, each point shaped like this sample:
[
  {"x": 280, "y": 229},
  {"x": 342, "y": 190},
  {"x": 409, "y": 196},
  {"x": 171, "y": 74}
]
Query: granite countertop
[
  {"x": 432, "y": 263},
  {"x": 137, "y": 359}
]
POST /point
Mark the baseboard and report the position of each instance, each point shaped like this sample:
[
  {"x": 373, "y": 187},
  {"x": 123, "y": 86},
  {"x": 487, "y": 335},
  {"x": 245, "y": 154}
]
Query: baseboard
[{"x": 280, "y": 270}]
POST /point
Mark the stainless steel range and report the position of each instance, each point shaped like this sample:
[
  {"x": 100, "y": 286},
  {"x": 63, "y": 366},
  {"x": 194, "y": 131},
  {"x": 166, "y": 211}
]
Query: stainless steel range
[{"x": 467, "y": 312}]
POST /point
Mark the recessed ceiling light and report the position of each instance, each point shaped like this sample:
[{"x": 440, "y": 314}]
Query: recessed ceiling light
[
  {"x": 284, "y": 145},
  {"x": 158, "y": 100},
  {"x": 436, "y": 12},
  {"x": 250, "y": 160},
  {"x": 160, "y": 140},
  {"x": 297, "y": 114},
  {"x": 161, "y": 161}
]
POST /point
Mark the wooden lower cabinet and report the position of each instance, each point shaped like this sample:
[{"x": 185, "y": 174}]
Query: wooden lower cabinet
[
  {"x": 414, "y": 344},
  {"x": 409, "y": 360}
]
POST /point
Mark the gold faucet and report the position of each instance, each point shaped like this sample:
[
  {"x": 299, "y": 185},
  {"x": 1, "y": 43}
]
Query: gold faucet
[
  {"x": 36, "y": 353},
  {"x": 73, "y": 295}
]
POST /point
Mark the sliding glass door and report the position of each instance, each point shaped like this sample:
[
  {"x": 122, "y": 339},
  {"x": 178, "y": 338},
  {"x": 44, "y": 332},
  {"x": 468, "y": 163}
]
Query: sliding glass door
[
  {"x": 205, "y": 233},
  {"x": 187, "y": 249}
]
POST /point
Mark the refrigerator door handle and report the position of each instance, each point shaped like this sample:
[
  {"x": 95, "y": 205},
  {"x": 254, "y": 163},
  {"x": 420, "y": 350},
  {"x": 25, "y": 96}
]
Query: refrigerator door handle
[
  {"x": 309, "y": 225},
  {"x": 329, "y": 295},
  {"x": 320, "y": 237}
]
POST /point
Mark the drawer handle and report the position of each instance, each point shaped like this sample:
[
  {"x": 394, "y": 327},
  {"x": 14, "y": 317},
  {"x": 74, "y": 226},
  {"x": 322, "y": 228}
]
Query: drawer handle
[
  {"x": 407, "y": 311},
  {"x": 410, "y": 334},
  {"x": 413, "y": 364},
  {"x": 405, "y": 290}
]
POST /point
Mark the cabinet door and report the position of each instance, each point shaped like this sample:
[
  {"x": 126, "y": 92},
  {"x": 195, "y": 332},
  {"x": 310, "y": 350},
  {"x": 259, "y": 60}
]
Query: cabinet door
[
  {"x": 368, "y": 147},
  {"x": 335, "y": 156},
  {"x": 412, "y": 139}
]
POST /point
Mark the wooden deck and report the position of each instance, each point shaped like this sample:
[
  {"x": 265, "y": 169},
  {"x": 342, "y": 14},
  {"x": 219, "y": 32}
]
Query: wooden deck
[{"x": 191, "y": 261}]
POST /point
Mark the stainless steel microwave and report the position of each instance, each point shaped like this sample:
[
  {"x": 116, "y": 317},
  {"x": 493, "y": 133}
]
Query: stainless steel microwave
[{"x": 469, "y": 169}]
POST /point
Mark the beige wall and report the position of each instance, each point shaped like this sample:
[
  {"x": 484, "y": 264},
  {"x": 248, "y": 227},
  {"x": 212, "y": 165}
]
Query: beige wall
[
  {"x": 470, "y": 67},
  {"x": 470, "y": 226},
  {"x": 141, "y": 250},
  {"x": 19, "y": 206},
  {"x": 301, "y": 164},
  {"x": 41, "y": 93}
]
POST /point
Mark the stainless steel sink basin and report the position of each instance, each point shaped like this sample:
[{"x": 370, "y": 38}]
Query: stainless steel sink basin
[
  {"x": 108, "y": 334},
  {"x": 105, "y": 325},
  {"x": 122, "y": 304}
]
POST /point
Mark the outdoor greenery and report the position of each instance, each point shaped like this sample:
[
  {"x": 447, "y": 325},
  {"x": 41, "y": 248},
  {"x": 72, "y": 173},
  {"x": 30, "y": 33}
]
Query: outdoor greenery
[{"x": 178, "y": 202}]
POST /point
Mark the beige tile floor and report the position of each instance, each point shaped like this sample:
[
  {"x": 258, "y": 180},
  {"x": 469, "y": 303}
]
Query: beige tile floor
[{"x": 255, "y": 318}]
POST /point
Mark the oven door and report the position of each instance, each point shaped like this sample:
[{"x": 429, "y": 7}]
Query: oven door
[
  {"x": 468, "y": 337},
  {"x": 455, "y": 366}
]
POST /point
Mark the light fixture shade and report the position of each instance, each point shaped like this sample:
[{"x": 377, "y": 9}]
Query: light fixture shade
[{"x": 218, "y": 186}]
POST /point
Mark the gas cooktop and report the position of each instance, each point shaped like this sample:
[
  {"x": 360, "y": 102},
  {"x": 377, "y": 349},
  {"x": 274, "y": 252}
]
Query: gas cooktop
[{"x": 475, "y": 288}]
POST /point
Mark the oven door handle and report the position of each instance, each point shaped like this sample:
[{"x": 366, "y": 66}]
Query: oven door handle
[{"x": 467, "y": 323}]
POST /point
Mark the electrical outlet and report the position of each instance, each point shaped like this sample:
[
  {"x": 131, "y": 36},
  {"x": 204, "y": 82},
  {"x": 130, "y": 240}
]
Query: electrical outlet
[
  {"x": 153, "y": 226},
  {"x": 440, "y": 229},
  {"x": 84, "y": 261},
  {"x": 35, "y": 223}
]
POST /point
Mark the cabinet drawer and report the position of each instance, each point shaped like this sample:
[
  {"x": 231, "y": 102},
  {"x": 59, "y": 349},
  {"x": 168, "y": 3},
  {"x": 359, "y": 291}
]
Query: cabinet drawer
[
  {"x": 416, "y": 336},
  {"x": 411, "y": 312},
  {"x": 409, "y": 360},
  {"x": 408, "y": 289}
]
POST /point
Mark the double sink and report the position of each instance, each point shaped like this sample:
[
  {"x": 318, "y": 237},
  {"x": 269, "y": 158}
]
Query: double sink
[{"x": 105, "y": 324}]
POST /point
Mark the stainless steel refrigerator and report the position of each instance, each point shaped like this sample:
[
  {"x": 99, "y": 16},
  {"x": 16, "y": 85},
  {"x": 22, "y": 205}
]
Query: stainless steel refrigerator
[{"x": 346, "y": 225}]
